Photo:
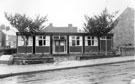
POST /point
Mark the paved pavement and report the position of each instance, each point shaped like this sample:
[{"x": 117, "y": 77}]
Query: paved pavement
[
  {"x": 116, "y": 73},
  {"x": 9, "y": 70}
]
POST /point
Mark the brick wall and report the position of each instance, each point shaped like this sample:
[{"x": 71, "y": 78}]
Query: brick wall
[{"x": 42, "y": 49}]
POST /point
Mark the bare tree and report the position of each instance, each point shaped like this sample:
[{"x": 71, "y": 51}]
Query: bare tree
[
  {"x": 25, "y": 24},
  {"x": 100, "y": 25},
  {"x": 37, "y": 24}
]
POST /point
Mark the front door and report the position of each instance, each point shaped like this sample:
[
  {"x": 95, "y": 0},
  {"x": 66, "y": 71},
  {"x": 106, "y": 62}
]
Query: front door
[{"x": 60, "y": 46}]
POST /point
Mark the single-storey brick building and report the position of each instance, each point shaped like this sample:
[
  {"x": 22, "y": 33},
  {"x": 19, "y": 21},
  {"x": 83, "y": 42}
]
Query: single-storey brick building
[{"x": 63, "y": 42}]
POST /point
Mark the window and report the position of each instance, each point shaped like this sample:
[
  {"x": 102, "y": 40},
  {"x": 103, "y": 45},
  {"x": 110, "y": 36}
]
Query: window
[
  {"x": 62, "y": 37},
  {"x": 73, "y": 43},
  {"x": 56, "y": 37},
  {"x": 76, "y": 41},
  {"x": 109, "y": 37},
  {"x": 22, "y": 43},
  {"x": 59, "y": 37},
  {"x": 90, "y": 41},
  {"x": 42, "y": 40},
  {"x": 103, "y": 38},
  {"x": 106, "y": 38}
]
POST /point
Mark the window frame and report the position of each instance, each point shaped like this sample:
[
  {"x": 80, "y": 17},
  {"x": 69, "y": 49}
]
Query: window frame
[
  {"x": 43, "y": 40},
  {"x": 103, "y": 38},
  {"x": 59, "y": 37},
  {"x": 106, "y": 38},
  {"x": 76, "y": 40},
  {"x": 20, "y": 41},
  {"x": 90, "y": 39}
]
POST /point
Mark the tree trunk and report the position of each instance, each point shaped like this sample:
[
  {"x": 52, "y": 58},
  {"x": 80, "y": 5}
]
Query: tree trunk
[
  {"x": 26, "y": 44},
  {"x": 24, "y": 40}
]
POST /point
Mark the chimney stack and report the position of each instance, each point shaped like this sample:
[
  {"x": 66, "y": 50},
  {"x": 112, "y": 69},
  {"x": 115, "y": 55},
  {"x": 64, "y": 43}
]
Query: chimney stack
[
  {"x": 69, "y": 25},
  {"x": 2, "y": 27},
  {"x": 51, "y": 24}
]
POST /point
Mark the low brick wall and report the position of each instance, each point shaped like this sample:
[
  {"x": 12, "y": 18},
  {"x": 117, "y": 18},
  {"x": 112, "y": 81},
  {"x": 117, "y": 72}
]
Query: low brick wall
[
  {"x": 127, "y": 51},
  {"x": 32, "y": 58},
  {"x": 8, "y": 51},
  {"x": 37, "y": 60},
  {"x": 65, "y": 58}
]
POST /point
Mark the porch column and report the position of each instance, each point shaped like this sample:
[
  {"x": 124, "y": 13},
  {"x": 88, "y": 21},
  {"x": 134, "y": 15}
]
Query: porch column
[
  {"x": 112, "y": 43},
  {"x": 67, "y": 44},
  {"x": 17, "y": 43},
  {"x": 51, "y": 44},
  {"x": 83, "y": 43},
  {"x": 34, "y": 43}
]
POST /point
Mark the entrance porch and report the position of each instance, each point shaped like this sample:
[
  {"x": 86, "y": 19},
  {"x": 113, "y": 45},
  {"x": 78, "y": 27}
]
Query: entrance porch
[{"x": 59, "y": 45}]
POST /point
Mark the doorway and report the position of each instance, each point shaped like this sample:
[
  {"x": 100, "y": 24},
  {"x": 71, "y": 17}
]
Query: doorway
[
  {"x": 59, "y": 47},
  {"x": 59, "y": 44}
]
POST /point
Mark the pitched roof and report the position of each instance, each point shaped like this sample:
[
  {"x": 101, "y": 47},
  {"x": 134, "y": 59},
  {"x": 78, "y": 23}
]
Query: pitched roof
[
  {"x": 69, "y": 29},
  {"x": 9, "y": 32}
]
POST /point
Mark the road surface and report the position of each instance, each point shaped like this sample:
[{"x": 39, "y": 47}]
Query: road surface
[{"x": 118, "y": 73}]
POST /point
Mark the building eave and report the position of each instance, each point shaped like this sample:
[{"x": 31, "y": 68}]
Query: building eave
[{"x": 58, "y": 33}]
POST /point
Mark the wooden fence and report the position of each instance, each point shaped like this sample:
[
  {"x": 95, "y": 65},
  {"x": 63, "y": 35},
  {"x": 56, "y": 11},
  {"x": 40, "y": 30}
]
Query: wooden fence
[{"x": 127, "y": 51}]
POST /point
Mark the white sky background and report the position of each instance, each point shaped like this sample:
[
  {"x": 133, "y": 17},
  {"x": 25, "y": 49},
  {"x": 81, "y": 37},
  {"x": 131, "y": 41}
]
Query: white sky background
[{"x": 61, "y": 12}]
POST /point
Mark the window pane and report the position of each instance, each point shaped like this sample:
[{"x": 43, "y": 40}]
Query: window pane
[
  {"x": 20, "y": 41},
  {"x": 62, "y": 43},
  {"x": 27, "y": 42},
  {"x": 30, "y": 41},
  {"x": 47, "y": 43},
  {"x": 44, "y": 42},
  {"x": 73, "y": 42},
  {"x": 89, "y": 42},
  {"x": 40, "y": 42},
  {"x": 56, "y": 37},
  {"x": 92, "y": 42},
  {"x": 62, "y": 37},
  {"x": 88, "y": 37},
  {"x": 73, "y": 37},
  {"x": 40, "y": 37},
  {"x": 103, "y": 37},
  {"x": 56, "y": 43},
  {"x": 108, "y": 37},
  {"x": 77, "y": 37},
  {"x": 78, "y": 42},
  {"x": 44, "y": 37},
  {"x": 92, "y": 37}
]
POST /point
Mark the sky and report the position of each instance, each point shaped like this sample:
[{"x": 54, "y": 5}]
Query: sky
[{"x": 61, "y": 12}]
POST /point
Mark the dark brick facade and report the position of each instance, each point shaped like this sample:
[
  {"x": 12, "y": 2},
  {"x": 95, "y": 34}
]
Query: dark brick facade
[
  {"x": 40, "y": 49},
  {"x": 75, "y": 49},
  {"x": 23, "y": 49},
  {"x": 91, "y": 48}
]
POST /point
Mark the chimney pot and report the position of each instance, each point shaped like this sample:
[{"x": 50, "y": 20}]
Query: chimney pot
[
  {"x": 51, "y": 24},
  {"x": 69, "y": 25}
]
